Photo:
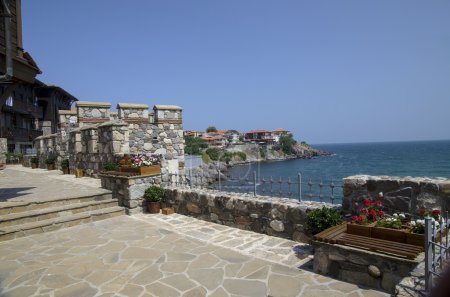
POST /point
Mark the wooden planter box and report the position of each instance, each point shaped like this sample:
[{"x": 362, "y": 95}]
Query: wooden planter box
[
  {"x": 144, "y": 170},
  {"x": 362, "y": 230},
  {"x": 397, "y": 235}
]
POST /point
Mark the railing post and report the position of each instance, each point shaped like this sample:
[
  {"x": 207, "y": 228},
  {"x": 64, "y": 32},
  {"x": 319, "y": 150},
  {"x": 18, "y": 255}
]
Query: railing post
[
  {"x": 299, "y": 187},
  {"x": 190, "y": 178},
  {"x": 428, "y": 254},
  {"x": 254, "y": 183}
]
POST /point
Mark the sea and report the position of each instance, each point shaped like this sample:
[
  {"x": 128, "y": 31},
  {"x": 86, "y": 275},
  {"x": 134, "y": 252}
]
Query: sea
[{"x": 409, "y": 158}]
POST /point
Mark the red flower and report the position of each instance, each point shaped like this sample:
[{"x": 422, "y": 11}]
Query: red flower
[
  {"x": 381, "y": 213},
  {"x": 373, "y": 213},
  {"x": 378, "y": 203},
  {"x": 363, "y": 210},
  {"x": 354, "y": 218},
  {"x": 436, "y": 212},
  {"x": 360, "y": 218},
  {"x": 367, "y": 202},
  {"x": 422, "y": 211}
]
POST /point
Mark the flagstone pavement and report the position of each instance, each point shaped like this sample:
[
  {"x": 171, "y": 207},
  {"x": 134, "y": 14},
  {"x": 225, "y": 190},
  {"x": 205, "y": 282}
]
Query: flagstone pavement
[{"x": 155, "y": 255}]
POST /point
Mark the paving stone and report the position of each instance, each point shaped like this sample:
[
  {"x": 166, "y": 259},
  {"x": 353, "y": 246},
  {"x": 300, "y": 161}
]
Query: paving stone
[
  {"x": 21, "y": 291},
  {"x": 131, "y": 290},
  {"x": 204, "y": 261},
  {"x": 175, "y": 267},
  {"x": 148, "y": 275},
  {"x": 80, "y": 290},
  {"x": 196, "y": 292},
  {"x": 158, "y": 289},
  {"x": 245, "y": 287},
  {"x": 219, "y": 292},
  {"x": 179, "y": 282},
  {"x": 209, "y": 278},
  {"x": 282, "y": 285}
]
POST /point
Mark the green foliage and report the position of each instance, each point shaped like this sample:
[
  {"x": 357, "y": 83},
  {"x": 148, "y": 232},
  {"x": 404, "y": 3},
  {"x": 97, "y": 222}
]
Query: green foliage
[
  {"x": 194, "y": 145},
  {"x": 50, "y": 160},
  {"x": 262, "y": 152},
  {"x": 205, "y": 158},
  {"x": 65, "y": 163},
  {"x": 320, "y": 219},
  {"x": 154, "y": 194},
  {"x": 287, "y": 144},
  {"x": 303, "y": 143},
  {"x": 241, "y": 138},
  {"x": 242, "y": 155},
  {"x": 211, "y": 129},
  {"x": 213, "y": 153},
  {"x": 110, "y": 167},
  {"x": 34, "y": 160}
]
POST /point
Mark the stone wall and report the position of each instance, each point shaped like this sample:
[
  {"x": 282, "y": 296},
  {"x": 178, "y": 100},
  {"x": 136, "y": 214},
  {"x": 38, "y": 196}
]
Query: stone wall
[
  {"x": 362, "y": 267},
  {"x": 95, "y": 138},
  {"x": 401, "y": 194},
  {"x": 3, "y": 150},
  {"x": 129, "y": 190},
  {"x": 280, "y": 217}
]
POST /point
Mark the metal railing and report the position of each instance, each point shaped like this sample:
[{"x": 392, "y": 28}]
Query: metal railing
[
  {"x": 436, "y": 250},
  {"x": 295, "y": 187}
]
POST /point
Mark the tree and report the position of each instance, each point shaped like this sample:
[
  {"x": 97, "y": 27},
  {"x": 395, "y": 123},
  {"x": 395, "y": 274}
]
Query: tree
[
  {"x": 194, "y": 145},
  {"x": 211, "y": 129},
  {"x": 287, "y": 144}
]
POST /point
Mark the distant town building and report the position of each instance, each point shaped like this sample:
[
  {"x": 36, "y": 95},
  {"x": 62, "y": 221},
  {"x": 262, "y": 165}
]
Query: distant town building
[
  {"x": 259, "y": 136},
  {"x": 277, "y": 133}
]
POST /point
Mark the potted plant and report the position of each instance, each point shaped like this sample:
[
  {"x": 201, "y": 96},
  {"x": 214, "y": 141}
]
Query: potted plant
[
  {"x": 50, "y": 161},
  {"x": 34, "y": 162},
  {"x": 323, "y": 218},
  {"x": 367, "y": 218},
  {"x": 110, "y": 167},
  {"x": 153, "y": 195},
  {"x": 142, "y": 164},
  {"x": 65, "y": 166}
]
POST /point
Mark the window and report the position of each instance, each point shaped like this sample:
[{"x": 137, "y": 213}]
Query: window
[{"x": 9, "y": 101}]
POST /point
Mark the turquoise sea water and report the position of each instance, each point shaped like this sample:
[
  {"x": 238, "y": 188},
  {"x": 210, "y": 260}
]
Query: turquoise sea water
[{"x": 415, "y": 158}]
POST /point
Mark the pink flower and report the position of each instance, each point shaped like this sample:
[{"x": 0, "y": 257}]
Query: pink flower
[
  {"x": 363, "y": 210},
  {"x": 378, "y": 203},
  {"x": 367, "y": 202},
  {"x": 436, "y": 212},
  {"x": 360, "y": 218},
  {"x": 354, "y": 218},
  {"x": 373, "y": 213},
  {"x": 381, "y": 213}
]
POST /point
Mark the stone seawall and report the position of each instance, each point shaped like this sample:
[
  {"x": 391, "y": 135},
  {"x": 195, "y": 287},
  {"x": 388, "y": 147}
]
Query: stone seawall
[
  {"x": 400, "y": 194},
  {"x": 280, "y": 217}
]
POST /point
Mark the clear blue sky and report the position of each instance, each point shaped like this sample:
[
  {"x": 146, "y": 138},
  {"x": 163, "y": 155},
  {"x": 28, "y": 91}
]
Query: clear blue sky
[{"x": 330, "y": 71}]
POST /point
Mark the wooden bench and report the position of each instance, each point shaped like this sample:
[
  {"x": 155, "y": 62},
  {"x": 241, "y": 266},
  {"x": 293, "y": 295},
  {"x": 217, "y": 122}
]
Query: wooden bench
[{"x": 338, "y": 235}]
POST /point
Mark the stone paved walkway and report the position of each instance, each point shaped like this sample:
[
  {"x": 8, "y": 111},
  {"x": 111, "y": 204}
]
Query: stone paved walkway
[
  {"x": 144, "y": 256},
  {"x": 18, "y": 183}
]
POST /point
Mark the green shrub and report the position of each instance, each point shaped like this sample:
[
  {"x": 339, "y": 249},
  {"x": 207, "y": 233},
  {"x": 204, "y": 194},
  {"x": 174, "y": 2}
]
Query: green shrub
[
  {"x": 287, "y": 144},
  {"x": 213, "y": 153},
  {"x": 205, "y": 158},
  {"x": 50, "y": 160},
  {"x": 323, "y": 218},
  {"x": 34, "y": 160},
  {"x": 110, "y": 167},
  {"x": 194, "y": 145},
  {"x": 262, "y": 152},
  {"x": 154, "y": 194},
  {"x": 65, "y": 163},
  {"x": 242, "y": 155}
]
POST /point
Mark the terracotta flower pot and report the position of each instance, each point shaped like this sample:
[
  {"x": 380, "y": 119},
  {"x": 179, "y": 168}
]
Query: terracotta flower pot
[
  {"x": 50, "y": 166},
  {"x": 78, "y": 172},
  {"x": 66, "y": 170},
  {"x": 33, "y": 165},
  {"x": 153, "y": 207}
]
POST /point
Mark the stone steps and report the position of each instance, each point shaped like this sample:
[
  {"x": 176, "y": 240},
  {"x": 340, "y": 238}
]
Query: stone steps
[
  {"x": 47, "y": 225},
  {"x": 24, "y": 206},
  {"x": 24, "y": 217}
]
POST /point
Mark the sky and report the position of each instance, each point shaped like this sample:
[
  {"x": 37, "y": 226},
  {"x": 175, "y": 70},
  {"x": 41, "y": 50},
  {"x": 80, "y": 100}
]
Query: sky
[{"x": 329, "y": 71}]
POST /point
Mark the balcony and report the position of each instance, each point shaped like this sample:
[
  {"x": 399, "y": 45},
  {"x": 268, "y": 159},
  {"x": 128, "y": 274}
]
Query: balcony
[
  {"x": 19, "y": 134},
  {"x": 25, "y": 108}
]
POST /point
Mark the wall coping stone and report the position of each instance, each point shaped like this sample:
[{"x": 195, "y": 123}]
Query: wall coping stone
[
  {"x": 93, "y": 104},
  {"x": 167, "y": 107},
  {"x": 113, "y": 123},
  {"x": 365, "y": 178},
  {"x": 134, "y": 106},
  {"x": 127, "y": 177},
  {"x": 90, "y": 127},
  {"x": 69, "y": 112},
  {"x": 76, "y": 130}
]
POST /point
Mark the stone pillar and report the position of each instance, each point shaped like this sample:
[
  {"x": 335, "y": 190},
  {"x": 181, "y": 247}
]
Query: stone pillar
[
  {"x": 168, "y": 114},
  {"x": 46, "y": 128},
  {"x": 3, "y": 151},
  {"x": 92, "y": 112},
  {"x": 113, "y": 138},
  {"x": 133, "y": 113},
  {"x": 89, "y": 140},
  {"x": 67, "y": 119}
]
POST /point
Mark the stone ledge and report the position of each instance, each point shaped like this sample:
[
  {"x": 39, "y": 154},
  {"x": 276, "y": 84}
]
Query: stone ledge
[
  {"x": 93, "y": 104},
  {"x": 113, "y": 123},
  {"x": 106, "y": 175},
  {"x": 167, "y": 107},
  {"x": 132, "y": 106},
  {"x": 67, "y": 112}
]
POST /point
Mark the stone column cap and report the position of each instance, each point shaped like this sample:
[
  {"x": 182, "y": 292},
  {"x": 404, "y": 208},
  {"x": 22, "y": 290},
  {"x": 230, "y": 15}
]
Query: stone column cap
[
  {"x": 70, "y": 112},
  {"x": 113, "y": 123},
  {"x": 130, "y": 105},
  {"x": 169, "y": 107},
  {"x": 93, "y": 104}
]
